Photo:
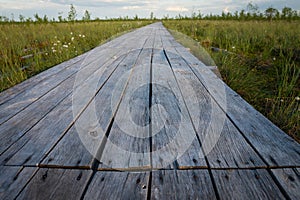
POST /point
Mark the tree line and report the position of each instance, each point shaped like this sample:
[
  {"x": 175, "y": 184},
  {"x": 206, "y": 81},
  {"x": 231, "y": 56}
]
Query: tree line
[{"x": 251, "y": 12}]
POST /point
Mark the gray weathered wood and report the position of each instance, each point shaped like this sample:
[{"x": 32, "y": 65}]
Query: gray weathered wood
[
  {"x": 226, "y": 147},
  {"x": 128, "y": 144},
  {"x": 104, "y": 116},
  {"x": 172, "y": 129},
  {"x": 13, "y": 179},
  {"x": 182, "y": 184},
  {"x": 289, "y": 179},
  {"x": 246, "y": 184},
  {"x": 273, "y": 145},
  {"x": 104, "y": 113},
  {"x": 56, "y": 184},
  {"x": 118, "y": 185}
]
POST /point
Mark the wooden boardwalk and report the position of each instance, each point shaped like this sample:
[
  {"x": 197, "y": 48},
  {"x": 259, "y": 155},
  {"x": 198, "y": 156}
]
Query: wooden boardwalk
[{"x": 139, "y": 118}]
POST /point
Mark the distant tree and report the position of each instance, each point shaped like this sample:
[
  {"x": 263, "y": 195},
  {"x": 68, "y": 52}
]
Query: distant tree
[
  {"x": 286, "y": 13},
  {"x": 60, "y": 18},
  {"x": 38, "y": 18},
  {"x": 252, "y": 10},
  {"x": 86, "y": 16},
  {"x": 22, "y": 18},
  {"x": 151, "y": 16},
  {"x": 136, "y": 17},
  {"x": 45, "y": 19},
  {"x": 72, "y": 13},
  {"x": 271, "y": 13}
]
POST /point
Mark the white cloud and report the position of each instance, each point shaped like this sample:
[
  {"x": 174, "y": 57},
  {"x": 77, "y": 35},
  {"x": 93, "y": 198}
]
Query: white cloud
[
  {"x": 177, "y": 9},
  {"x": 131, "y": 7}
]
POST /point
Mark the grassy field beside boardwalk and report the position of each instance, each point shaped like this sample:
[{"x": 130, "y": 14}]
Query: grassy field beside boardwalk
[
  {"x": 258, "y": 59},
  {"x": 29, "y": 48}
]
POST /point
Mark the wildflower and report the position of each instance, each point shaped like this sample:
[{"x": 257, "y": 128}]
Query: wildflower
[
  {"x": 83, "y": 36},
  {"x": 72, "y": 38},
  {"x": 71, "y": 33},
  {"x": 53, "y": 50},
  {"x": 297, "y": 98},
  {"x": 69, "y": 43},
  {"x": 55, "y": 37},
  {"x": 233, "y": 47},
  {"x": 274, "y": 58},
  {"x": 79, "y": 35},
  {"x": 282, "y": 100},
  {"x": 46, "y": 54},
  {"x": 65, "y": 46},
  {"x": 58, "y": 41},
  {"x": 55, "y": 44}
]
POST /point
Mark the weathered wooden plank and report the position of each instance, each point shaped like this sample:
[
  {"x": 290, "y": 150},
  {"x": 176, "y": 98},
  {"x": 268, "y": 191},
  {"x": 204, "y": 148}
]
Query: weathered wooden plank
[
  {"x": 246, "y": 184},
  {"x": 17, "y": 126},
  {"x": 56, "y": 184},
  {"x": 20, "y": 148},
  {"x": 289, "y": 179},
  {"x": 222, "y": 143},
  {"x": 128, "y": 144},
  {"x": 118, "y": 185},
  {"x": 13, "y": 179},
  {"x": 172, "y": 129},
  {"x": 182, "y": 184},
  {"x": 85, "y": 124},
  {"x": 91, "y": 126},
  {"x": 273, "y": 145}
]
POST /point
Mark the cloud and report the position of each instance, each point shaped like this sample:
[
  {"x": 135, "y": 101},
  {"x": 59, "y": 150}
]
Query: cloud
[
  {"x": 177, "y": 9},
  {"x": 131, "y": 7}
]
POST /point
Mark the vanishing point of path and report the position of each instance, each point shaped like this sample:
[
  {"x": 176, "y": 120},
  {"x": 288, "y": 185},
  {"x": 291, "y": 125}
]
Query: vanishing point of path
[{"x": 139, "y": 118}]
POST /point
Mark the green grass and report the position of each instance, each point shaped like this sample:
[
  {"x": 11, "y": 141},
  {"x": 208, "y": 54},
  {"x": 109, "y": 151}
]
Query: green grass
[
  {"x": 29, "y": 48},
  {"x": 261, "y": 63}
]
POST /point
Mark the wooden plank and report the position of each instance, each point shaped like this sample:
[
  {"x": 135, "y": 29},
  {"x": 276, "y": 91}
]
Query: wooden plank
[
  {"x": 289, "y": 179},
  {"x": 273, "y": 145},
  {"x": 56, "y": 184},
  {"x": 182, "y": 184},
  {"x": 246, "y": 184},
  {"x": 100, "y": 110},
  {"x": 118, "y": 185},
  {"x": 222, "y": 143},
  {"x": 18, "y": 125},
  {"x": 172, "y": 129},
  {"x": 128, "y": 144},
  {"x": 13, "y": 179},
  {"x": 94, "y": 58},
  {"x": 22, "y": 148}
]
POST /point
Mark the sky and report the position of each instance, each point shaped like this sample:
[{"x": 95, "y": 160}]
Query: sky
[{"x": 117, "y": 8}]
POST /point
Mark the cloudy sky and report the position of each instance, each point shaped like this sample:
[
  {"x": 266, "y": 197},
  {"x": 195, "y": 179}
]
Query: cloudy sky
[{"x": 116, "y": 8}]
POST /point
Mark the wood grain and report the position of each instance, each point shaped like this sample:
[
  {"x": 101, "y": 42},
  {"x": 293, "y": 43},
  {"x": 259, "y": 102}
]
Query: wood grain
[
  {"x": 182, "y": 184},
  {"x": 56, "y": 184},
  {"x": 289, "y": 179},
  {"x": 246, "y": 184},
  {"x": 13, "y": 179},
  {"x": 118, "y": 185}
]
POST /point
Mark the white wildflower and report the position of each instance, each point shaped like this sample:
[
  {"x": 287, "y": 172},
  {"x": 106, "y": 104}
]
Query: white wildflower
[
  {"x": 274, "y": 58},
  {"x": 83, "y": 36},
  {"x": 58, "y": 41},
  {"x": 65, "y": 46},
  {"x": 79, "y": 35},
  {"x": 55, "y": 44},
  {"x": 72, "y": 38},
  {"x": 297, "y": 98},
  {"x": 53, "y": 50},
  {"x": 233, "y": 47},
  {"x": 71, "y": 33}
]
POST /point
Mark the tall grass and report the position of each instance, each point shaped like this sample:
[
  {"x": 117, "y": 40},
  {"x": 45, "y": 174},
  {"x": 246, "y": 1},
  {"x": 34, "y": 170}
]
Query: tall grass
[
  {"x": 29, "y": 48},
  {"x": 260, "y": 60}
]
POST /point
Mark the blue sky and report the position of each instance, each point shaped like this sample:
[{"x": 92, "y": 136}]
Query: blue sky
[{"x": 116, "y": 8}]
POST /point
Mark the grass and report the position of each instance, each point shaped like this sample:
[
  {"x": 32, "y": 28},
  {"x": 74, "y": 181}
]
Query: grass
[
  {"x": 258, "y": 59},
  {"x": 29, "y": 48}
]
